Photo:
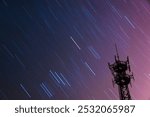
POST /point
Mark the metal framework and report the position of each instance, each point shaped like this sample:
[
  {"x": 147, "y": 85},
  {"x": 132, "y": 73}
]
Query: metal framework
[{"x": 122, "y": 76}]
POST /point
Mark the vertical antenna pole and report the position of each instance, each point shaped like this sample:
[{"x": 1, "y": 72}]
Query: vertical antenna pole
[{"x": 117, "y": 51}]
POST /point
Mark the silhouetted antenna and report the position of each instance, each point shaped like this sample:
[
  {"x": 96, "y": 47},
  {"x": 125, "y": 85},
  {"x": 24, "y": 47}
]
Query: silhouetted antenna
[
  {"x": 117, "y": 51},
  {"x": 122, "y": 76}
]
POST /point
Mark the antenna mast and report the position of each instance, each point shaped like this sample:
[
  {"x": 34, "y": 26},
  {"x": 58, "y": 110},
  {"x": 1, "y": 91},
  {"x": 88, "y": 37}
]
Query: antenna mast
[{"x": 117, "y": 51}]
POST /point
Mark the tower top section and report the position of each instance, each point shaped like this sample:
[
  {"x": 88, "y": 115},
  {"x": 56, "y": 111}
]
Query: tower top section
[{"x": 122, "y": 75}]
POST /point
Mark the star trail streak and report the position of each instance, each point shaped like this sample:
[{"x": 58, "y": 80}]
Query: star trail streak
[
  {"x": 59, "y": 49},
  {"x": 75, "y": 43},
  {"x": 46, "y": 90},
  {"x": 25, "y": 90}
]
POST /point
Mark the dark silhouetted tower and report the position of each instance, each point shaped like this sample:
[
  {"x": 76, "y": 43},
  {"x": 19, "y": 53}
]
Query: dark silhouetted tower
[{"x": 122, "y": 76}]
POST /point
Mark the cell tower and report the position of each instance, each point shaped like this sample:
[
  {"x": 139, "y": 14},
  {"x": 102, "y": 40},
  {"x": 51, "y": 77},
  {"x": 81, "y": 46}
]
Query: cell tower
[{"x": 122, "y": 76}]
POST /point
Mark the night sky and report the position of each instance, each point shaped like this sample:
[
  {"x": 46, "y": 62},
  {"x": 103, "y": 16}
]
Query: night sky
[{"x": 59, "y": 49}]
